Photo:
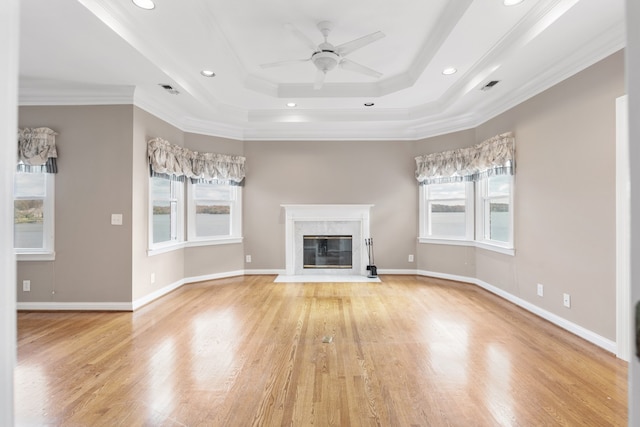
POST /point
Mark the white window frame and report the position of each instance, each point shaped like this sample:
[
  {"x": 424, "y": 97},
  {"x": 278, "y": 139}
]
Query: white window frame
[
  {"x": 425, "y": 215},
  {"x": 47, "y": 252},
  {"x": 482, "y": 217},
  {"x": 235, "y": 205},
  {"x": 475, "y": 215},
  {"x": 177, "y": 232}
]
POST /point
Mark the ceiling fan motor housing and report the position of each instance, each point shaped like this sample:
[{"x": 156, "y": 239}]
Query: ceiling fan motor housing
[{"x": 325, "y": 60}]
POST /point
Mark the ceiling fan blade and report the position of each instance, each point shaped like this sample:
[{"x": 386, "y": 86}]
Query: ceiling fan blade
[
  {"x": 320, "y": 75},
  {"x": 302, "y": 37},
  {"x": 285, "y": 62},
  {"x": 354, "y": 66},
  {"x": 348, "y": 47}
]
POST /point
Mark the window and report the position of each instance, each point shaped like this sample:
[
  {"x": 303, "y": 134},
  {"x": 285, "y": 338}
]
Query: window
[
  {"x": 215, "y": 212},
  {"x": 33, "y": 229},
  {"x": 495, "y": 216},
  {"x": 448, "y": 211},
  {"x": 166, "y": 208}
]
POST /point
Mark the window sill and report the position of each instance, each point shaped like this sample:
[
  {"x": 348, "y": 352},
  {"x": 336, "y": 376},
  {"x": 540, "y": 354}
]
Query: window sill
[
  {"x": 453, "y": 242},
  {"x": 481, "y": 245},
  {"x": 495, "y": 248},
  {"x": 36, "y": 256},
  {"x": 164, "y": 249},
  {"x": 213, "y": 242}
]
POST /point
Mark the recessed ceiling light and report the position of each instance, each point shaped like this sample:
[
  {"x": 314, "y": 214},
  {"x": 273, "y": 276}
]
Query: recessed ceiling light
[
  {"x": 369, "y": 104},
  {"x": 145, "y": 4},
  {"x": 207, "y": 73},
  {"x": 449, "y": 71},
  {"x": 512, "y": 2},
  {"x": 291, "y": 104}
]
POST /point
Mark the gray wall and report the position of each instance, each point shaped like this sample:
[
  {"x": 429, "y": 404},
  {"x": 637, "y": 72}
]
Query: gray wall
[
  {"x": 330, "y": 172},
  {"x": 93, "y": 258},
  {"x": 168, "y": 267},
  {"x": 172, "y": 267},
  {"x": 564, "y": 201}
]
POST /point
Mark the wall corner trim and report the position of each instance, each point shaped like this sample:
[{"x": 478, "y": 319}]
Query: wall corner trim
[{"x": 563, "y": 323}]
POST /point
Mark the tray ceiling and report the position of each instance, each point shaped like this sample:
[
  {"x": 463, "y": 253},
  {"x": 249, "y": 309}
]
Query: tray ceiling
[{"x": 113, "y": 52}]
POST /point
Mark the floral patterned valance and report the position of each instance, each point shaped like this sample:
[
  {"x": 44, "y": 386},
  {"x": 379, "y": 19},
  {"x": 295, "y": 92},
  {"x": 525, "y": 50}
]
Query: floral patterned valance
[
  {"x": 495, "y": 156},
  {"x": 179, "y": 162},
  {"x": 37, "y": 150}
]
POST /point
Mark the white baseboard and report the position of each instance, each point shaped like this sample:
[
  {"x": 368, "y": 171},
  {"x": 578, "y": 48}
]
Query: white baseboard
[
  {"x": 173, "y": 286},
  {"x": 275, "y": 271},
  {"x": 398, "y": 271},
  {"x": 75, "y": 306},
  {"x": 565, "y": 324},
  {"x": 214, "y": 276},
  {"x": 156, "y": 294}
]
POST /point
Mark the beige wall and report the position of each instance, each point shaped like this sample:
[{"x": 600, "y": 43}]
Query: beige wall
[
  {"x": 564, "y": 201},
  {"x": 330, "y": 172},
  {"x": 93, "y": 258}
]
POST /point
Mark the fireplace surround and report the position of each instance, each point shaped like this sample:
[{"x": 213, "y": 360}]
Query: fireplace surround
[{"x": 326, "y": 220}]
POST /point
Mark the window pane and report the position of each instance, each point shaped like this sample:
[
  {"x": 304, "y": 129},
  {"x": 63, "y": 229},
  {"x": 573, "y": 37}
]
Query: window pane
[
  {"x": 28, "y": 227},
  {"x": 161, "y": 221},
  {"x": 212, "y": 219},
  {"x": 454, "y": 190},
  {"x": 213, "y": 192},
  {"x": 447, "y": 219},
  {"x": 30, "y": 185},
  {"x": 499, "y": 185},
  {"x": 160, "y": 188},
  {"x": 499, "y": 220}
]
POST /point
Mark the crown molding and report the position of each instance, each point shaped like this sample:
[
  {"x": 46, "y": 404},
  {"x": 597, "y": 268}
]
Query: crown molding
[
  {"x": 64, "y": 94},
  {"x": 317, "y": 125}
]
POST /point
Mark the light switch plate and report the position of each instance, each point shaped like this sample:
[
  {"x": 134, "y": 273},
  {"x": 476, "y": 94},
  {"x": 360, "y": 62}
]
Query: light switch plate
[{"x": 116, "y": 219}]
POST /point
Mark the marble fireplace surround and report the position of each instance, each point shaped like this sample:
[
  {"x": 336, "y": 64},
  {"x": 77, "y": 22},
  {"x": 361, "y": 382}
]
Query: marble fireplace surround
[{"x": 351, "y": 220}]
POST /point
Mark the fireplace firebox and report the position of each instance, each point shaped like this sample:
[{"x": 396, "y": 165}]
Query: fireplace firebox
[{"x": 327, "y": 252}]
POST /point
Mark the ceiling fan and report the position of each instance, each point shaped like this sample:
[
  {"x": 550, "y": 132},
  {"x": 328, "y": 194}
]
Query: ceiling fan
[{"x": 326, "y": 56}]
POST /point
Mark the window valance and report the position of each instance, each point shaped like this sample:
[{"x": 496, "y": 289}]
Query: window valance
[
  {"x": 495, "y": 156},
  {"x": 179, "y": 163},
  {"x": 37, "y": 150}
]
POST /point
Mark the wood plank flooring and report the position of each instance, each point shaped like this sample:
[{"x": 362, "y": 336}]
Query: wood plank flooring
[{"x": 249, "y": 352}]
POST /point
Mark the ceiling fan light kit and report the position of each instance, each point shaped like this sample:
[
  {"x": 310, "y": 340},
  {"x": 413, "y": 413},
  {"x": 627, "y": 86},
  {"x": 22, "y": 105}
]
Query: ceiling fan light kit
[{"x": 326, "y": 57}]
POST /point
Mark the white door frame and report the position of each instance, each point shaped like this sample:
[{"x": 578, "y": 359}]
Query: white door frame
[{"x": 623, "y": 231}]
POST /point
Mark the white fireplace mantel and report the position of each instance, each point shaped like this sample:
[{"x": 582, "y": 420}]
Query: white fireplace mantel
[{"x": 356, "y": 215}]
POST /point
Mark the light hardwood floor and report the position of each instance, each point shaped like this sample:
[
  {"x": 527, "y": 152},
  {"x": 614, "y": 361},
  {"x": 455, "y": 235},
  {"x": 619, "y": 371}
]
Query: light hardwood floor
[{"x": 248, "y": 352}]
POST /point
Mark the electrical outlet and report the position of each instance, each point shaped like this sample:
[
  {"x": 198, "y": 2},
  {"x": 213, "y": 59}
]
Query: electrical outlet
[
  {"x": 153, "y": 277},
  {"x": 411, "y": 258},
  {"x": 566, "y": 300},
  {"x": 540, "y": 290},
  {"x": 247, "y": 258},
  {"x": 26, "y": 285}
]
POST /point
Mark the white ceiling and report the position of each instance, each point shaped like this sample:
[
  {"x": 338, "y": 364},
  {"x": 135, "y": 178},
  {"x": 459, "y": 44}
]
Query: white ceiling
[{"x": 80, "y": 52}]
